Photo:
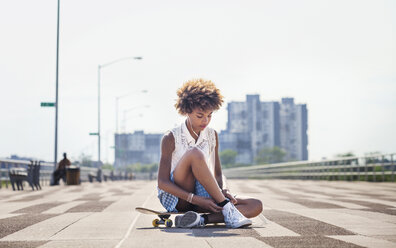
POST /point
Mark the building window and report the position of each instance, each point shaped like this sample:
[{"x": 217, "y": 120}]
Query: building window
[
  {"x": 243, "y": 114},
  {"x": 265, "y": 114},
  {"x": 259, "y": 126}
]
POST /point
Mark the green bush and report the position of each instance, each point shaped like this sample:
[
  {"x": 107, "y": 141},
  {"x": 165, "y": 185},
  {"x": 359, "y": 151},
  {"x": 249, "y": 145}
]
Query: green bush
[
  {"x": 227, "y": 158},
  {"x": 138, "y": 167}
]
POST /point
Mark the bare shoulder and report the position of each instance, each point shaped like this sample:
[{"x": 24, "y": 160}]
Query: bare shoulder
[
  {"x": 168, "y": 141},
  {"x": 216, "y": 135},
  {"x": 168, "y": 138}
]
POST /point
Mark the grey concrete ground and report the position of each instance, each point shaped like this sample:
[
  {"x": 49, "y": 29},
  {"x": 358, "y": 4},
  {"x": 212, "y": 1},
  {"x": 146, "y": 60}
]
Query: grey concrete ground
[{"x": 296, "y": 214}]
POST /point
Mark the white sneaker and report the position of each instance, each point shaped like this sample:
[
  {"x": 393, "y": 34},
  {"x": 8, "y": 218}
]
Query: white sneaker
[
  {"x": 187, "y": 220},
  {"x": 233, "y": 218}
]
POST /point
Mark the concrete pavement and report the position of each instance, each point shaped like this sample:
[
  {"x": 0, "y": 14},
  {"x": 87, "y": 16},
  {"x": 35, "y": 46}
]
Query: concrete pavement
[{"x": 296, "y": 214}]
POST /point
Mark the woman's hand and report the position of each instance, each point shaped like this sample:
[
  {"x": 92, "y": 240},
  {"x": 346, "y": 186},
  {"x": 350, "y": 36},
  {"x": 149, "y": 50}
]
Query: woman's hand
[
  {"x": 206, "y": 203},
  {"x": 228, "y": 194}
]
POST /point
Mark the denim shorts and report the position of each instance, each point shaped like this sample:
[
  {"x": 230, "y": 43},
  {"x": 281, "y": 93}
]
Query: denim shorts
[{"x": 170, "y": 201}]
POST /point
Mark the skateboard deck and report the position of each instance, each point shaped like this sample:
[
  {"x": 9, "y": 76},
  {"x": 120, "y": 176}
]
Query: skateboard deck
[
  {"x": 163, "y": 215},
  {"x": 155, "y": 212}
]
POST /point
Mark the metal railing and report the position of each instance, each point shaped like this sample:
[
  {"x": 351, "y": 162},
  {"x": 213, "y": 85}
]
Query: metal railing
[
  {"x": 46, "y": 170},
  {"x": 370, "y": 168}
]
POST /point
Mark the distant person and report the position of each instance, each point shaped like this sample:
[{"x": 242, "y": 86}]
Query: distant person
[
  {"x": 189, "y": 176},
  {"x": 60, "y": 171}
]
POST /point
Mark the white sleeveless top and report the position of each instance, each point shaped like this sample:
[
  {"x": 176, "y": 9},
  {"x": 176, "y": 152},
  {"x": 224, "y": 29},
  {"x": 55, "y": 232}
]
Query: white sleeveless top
[{"x": 184, "y": 141}]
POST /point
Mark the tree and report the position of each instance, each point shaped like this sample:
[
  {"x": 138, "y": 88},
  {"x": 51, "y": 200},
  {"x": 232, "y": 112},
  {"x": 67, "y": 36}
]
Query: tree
[
  {"x": 108, "y": 167},
  {"x": 227, "y": 157},
  {"x": 347, "y": 154},
  {"x": 372, "y": 157},
  {"x": 85, "y": 160},
  {"x": 138, "y": 167},
  {"x": 376, "y": 153},
  {"x": 270, "y": 155}
]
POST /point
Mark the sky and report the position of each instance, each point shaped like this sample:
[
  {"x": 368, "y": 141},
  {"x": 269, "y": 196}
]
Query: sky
[{"x": 338, "y": 57}]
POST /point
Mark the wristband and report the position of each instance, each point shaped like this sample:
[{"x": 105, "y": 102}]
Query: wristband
[{"x": 190, "y": 197}]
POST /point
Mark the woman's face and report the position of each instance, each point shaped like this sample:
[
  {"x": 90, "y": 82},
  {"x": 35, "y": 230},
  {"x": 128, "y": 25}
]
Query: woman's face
[{"x": 200, "y": 118}]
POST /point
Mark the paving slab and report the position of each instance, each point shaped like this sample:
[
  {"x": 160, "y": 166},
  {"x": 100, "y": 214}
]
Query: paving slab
[
  {"x": 14, "y": 224},
  {"x": 391, "y": 238},
  {"x": 21, "y": 244},
  {"x": 104, "y": 243},
  {"x": 63, "y": 208},
  {"x": 97, "y": 226},
  {"x": 296, "y": 213},
  {"x": 47, "y": 228},
  {"x": 366, "y": 214},
  {"x": 234, "y": 242},
  {"x": 358, "y": 224},
  {"x": 155, "y": 242},
  {"x": 5, "y": 216},
  {"x": 273, "y": 229},
  {"x": 307, "y": 242},
  {"x": 365, "y": 241}
]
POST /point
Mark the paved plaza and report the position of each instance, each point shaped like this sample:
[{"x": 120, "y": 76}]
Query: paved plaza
[{"x": 296, "y": 214}]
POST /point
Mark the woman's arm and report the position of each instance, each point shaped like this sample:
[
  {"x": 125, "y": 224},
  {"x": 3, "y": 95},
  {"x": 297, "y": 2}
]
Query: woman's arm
[{"x": 218, "y": 172}]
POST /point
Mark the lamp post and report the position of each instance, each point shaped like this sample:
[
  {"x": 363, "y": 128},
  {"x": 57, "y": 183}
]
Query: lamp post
[
  {"x": 117, "y": 99},
  {"x": 56, "y": 94},
  {"x": 124, "y": 120},
  {"x": 129, "y": 110},
  {"x": 99, "y": 68},
  {"x": 119, "y": 154}
]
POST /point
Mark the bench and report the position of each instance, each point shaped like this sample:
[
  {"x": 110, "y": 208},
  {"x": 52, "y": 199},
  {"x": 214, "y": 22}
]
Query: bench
[
  {"x": 128, "y": 176},
  {"x": 17, "y": 176},
  {"x": 97, "y": 177},
  {"x": 36, "y": 175},
  {"x": 31, "y": 175},
  {"x": 109, "y": 176}
]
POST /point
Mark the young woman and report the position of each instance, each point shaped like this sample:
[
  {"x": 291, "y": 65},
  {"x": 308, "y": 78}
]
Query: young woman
[{"x": 189, "y": 176}]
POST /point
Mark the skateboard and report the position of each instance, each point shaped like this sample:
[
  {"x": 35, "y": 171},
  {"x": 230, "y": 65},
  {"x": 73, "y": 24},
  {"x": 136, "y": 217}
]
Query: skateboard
[{"x": 164, "y": 216}]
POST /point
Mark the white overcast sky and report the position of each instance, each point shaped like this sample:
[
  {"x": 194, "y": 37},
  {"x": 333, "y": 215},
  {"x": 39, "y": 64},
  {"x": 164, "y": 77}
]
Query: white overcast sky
[{"x": 338, "y": 57}]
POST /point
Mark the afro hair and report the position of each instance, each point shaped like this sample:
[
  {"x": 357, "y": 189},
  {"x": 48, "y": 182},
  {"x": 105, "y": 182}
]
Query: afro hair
[{"x": 198, "y": 93}]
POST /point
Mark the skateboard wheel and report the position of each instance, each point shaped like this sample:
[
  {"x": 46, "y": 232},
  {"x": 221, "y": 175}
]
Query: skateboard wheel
[
  {"x": 168, "y": 223},
  {"x": 155, "y": 223}
]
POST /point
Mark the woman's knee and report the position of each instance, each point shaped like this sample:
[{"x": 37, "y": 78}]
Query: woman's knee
[
  {"x": 256, "y": 207},
  {"x": 187, "y": 160},
  {"x": 195, "y": 154},
  {"x": 259, "y": 206}
]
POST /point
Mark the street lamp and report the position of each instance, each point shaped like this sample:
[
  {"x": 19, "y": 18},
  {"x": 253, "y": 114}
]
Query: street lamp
[
  {"x": 124, "y": 120},
  {"x": 118, "y": 98},
  {"x": 129, "y": 110},
  {"x": 56, "y": 92},
  {"x": 99, "y": 68}
]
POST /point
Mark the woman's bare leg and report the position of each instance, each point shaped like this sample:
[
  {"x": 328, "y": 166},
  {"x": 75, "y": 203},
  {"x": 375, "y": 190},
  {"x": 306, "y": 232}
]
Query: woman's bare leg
[
  {"x": 187, "y": 184},
  {"x": 193, "y": 166}
]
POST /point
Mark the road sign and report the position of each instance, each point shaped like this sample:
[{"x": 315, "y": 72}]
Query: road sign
[
  {"x": 93, "y": 133},
  {"x": 47, "y": 104}
]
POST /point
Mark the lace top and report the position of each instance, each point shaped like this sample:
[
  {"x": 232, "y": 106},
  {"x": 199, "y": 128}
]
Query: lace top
[{"x": 183, "y": 141}]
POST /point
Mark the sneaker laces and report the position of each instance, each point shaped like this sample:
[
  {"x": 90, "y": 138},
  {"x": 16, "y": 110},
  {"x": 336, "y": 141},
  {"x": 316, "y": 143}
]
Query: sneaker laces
[
  {"x": 201, "y": 224},
  {"x": 233, "y": 214}
]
